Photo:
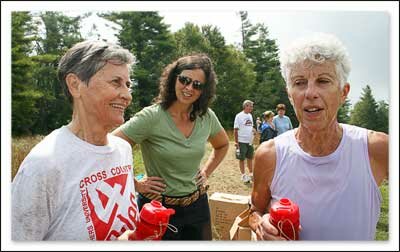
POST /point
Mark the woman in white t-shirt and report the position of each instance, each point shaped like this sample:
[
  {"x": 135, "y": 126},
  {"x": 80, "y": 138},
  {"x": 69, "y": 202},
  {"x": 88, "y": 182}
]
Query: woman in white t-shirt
[{"x": 77, "y": 183}]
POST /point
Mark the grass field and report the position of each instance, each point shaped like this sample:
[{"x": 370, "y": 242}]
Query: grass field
[{"x": 224, "y": 179}]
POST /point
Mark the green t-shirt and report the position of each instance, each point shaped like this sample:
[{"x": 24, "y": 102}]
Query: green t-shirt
[{"x": 166, "y": 152}]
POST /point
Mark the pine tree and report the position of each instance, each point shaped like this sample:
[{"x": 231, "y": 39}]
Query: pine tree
[
  {"x": 61, "y": 33},
  {"x": 269, "y": 88},
  {"x": 24, "y": 96},
  {"x": 364, "y": 113},
  {"x": 343, "y": 115},
  {"x": 148, "y": 38},
  {"x": 382, "y": 117}
]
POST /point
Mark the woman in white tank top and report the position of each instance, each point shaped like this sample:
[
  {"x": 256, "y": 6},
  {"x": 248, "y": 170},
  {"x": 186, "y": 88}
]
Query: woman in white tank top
[{"x": 330, "y": 170}]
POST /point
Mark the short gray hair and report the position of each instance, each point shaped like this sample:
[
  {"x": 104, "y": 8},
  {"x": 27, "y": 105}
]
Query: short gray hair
[
  {"x": 318, "y": 48},
  {"x": 86, "y": 58},
  {"x": 247, "y": 102}
]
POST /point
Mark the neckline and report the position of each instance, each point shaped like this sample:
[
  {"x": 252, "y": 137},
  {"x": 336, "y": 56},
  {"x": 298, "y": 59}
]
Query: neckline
[
  {"x": 175, "y": 127},
  {"x": 319, "y": 159}
]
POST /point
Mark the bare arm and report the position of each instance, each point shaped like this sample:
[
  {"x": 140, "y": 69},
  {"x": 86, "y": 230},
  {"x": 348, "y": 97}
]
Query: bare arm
[
  {"x": 220, "y": 144},
  {"x": 264, "y": 168},
  {"x": 235, "y": 135},
  {"x": 378, "y": 149},
  {"x": 147, "y": 184}
]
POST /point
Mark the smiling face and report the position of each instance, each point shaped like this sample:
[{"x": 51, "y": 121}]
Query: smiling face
[
  {"x": 103, "y": 101},
  {"x": 314, "y": 92},
  {"x": 186, "y": 94}
]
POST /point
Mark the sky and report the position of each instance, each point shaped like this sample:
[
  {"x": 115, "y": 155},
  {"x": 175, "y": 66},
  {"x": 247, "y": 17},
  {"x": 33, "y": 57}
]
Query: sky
[{"x": 368, "y": 29}]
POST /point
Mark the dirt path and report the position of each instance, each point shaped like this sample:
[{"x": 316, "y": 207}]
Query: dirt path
[{"x": 226, "y": 178}]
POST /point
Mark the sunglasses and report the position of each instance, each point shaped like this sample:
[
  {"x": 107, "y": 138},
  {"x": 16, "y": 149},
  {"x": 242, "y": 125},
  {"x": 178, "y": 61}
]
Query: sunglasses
[{"x": 187, "y": 80}]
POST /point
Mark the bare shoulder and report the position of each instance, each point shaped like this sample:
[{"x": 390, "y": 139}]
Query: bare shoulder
[
  {"x": 378, "y": 143},
  {"x": 378, "y": 150},
  {"x": 266, "y": 150},
  {"x": 265, "y": 159}
]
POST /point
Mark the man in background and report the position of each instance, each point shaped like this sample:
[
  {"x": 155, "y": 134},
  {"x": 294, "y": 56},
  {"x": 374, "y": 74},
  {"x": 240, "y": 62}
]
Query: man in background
[{"x": 244, "y": 134}]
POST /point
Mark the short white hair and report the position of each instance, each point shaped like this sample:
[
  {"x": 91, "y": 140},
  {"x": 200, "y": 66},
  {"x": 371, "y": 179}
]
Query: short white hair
[
  {"x": 247, "y": 102},
  {"x": 318, "y": 48}
]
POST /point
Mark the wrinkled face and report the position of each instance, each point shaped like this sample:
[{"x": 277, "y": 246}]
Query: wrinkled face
[
  {"x": 106, "y": 96},
  {"x": 187, "y": 94},
  {"x": 314, "y": 92}
]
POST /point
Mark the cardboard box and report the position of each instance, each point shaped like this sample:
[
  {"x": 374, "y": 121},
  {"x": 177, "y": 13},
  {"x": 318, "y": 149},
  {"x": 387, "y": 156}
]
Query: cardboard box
[
  {"x": 240, "y": 229},
  {"x": 224, "y": 209}
]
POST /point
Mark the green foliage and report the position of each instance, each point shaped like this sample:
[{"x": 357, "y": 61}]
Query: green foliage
[
  {"x": 343, "y": 115},
  {"x": 382, "y": 228},
  {"x": 61, "y": 33},
  {"x": 148, "y": 38},
  {"x": 269, "y": 88},
  {"x": 251, "y": 72},
  {"x": 367, "y": 113},
  {"x": 382, "y": 117},
  {"x": 24, "y": 97},
  {"x": 234, "y": 75}
]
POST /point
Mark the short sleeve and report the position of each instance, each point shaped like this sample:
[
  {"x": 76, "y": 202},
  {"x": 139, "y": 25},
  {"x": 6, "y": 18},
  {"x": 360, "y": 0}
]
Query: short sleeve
[
  {"x": 236, "y": 122},
  {"x": 32, "y": 201},
  {"x": 215, "y": 123},
  {"x": 139, "y": 127}
]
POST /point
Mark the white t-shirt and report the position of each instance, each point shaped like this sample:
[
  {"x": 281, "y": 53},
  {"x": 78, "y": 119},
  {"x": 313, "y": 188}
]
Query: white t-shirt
[
  {"x": 244, "y": 122},
  {"x": 69, "y": 189}
]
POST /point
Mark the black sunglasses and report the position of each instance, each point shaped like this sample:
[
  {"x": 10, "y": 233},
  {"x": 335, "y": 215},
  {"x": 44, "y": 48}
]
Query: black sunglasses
[{"x": 187, "y": 80}]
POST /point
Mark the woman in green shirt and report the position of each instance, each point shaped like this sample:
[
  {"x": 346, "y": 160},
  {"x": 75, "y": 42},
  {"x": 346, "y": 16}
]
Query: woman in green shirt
[{"x": 172, "y": 134}]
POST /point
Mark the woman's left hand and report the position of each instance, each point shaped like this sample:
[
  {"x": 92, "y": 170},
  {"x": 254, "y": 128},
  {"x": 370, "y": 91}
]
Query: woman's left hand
[{"x": 201, "y": 178}]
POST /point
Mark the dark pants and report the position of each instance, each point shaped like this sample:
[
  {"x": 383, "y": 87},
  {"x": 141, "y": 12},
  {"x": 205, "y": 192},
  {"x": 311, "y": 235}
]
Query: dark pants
[{"x": 193, "y": 221}]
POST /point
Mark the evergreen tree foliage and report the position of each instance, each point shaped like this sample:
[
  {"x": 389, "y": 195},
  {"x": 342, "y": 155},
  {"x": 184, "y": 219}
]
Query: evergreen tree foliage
[
  {"x": 24, "y": 96},
  {"x": 382, "y": 117},
  {"x": 364, "y": 113},
  {"x": 269, "y": 89},
  {"x": 251, "y": 71},
  {"x": 61, "y": 33},
  {"x": 343, "y": 115},
  {"x": 148, "y": 38}
]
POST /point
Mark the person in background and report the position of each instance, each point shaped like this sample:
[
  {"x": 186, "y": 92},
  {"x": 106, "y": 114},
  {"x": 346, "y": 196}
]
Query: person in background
[
  {"x": 282, "y": 122},
  {"x": 330, "y": 170},
  {"x": 77, "y": 183},
  {"x": 172, "y": 134},
  {"x": 258, "y": 124},
  {"x": 244, "y": 134},
  {"x": 268, "y": 130}
]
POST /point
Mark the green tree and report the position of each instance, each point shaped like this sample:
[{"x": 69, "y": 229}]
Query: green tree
[
  {"x": 343, "y": 115},
  {"x": 234, "y": 75},
  {"x": 233, "y": 71},
  {"x": 148, "y": 38},
  {"x": 190, "y": 39},
  {"x": 382, "y": 117},
  {"x": 364, "y": 113},
  {"x": 24, "y": 97},
  {"x": 61, "y": 33},
  {"x": 269, "y": 87}
]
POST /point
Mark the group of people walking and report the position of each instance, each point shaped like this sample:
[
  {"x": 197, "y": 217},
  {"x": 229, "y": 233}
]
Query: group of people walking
[
  {"x": 245, "y": 132},
  {"x": 78, "y": 183}
]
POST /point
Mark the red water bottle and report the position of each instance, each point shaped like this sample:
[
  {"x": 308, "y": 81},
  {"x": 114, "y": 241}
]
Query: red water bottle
[
  {"x": 153, "y": 221},
  {"x": 284, "y": 215}
]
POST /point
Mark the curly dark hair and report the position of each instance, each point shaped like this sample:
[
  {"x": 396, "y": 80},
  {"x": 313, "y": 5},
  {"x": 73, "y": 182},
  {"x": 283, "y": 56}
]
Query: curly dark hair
[{"x": 167, "y": 96}]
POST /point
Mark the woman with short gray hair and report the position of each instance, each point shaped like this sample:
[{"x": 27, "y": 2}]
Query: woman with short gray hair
[
  {"x": 77, "y": 183},
  {"x": 331, "y": 170}
]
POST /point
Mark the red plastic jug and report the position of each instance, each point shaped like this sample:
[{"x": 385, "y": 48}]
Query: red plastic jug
[
  {"x": 285, "y": 216},
  {"x": 153, "y": 221}
]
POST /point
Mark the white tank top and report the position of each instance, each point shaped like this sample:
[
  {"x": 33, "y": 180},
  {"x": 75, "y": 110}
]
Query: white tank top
[{"x": 337, "y": 194}]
